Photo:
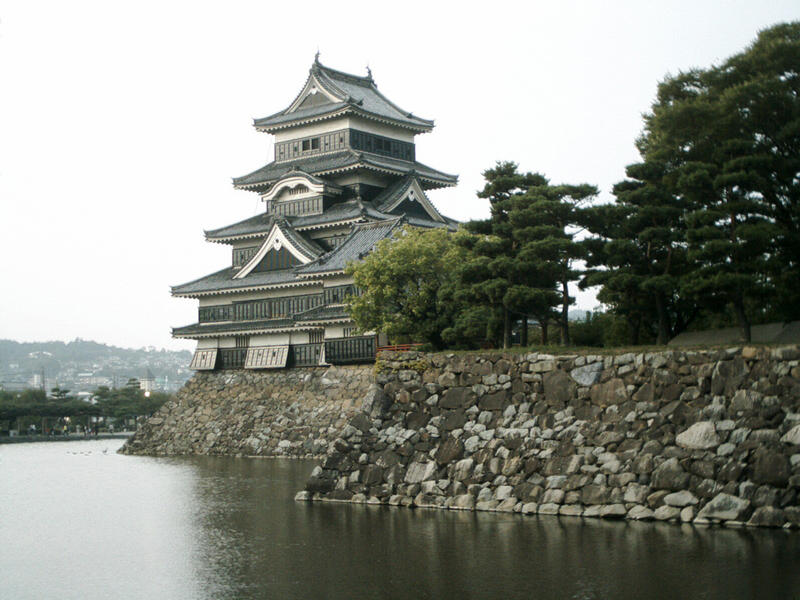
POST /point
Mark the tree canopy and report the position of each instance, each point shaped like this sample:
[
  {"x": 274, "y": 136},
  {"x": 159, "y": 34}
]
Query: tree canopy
[
  {"x": 704, "y": 231},
  {"x": 403, "y": 282}
]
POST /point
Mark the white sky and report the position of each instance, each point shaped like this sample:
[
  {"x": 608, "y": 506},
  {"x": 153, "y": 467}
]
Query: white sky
[{"x": 121, "y": 124}]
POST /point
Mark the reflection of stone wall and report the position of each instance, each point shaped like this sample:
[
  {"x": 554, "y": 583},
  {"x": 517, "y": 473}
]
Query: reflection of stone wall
[
  {"x": 700, "y": 436},
  {"x": 291, "y": 412}
]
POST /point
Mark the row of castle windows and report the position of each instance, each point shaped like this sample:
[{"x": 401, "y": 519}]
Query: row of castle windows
[
  {"x": 337, "y": 140},
  {"x": 275, "y": 308}
]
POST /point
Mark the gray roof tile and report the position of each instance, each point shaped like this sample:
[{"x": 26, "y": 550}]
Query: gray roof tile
[
  {"x": 223, "y": 281},
  {"x": 204, "y": 328},
  {"x": 356, "y": 94},
  {"x": 307, "y": 246},
  {"x": 357, "y": 245},
  {"x": 321, "y": 313},
  {"x": 346, "y": 159}
]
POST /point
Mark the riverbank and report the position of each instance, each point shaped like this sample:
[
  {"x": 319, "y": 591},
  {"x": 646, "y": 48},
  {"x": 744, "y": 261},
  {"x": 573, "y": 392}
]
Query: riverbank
[
  {"x": 703, "y": 437},
  {"x": 72, "y": 437}
]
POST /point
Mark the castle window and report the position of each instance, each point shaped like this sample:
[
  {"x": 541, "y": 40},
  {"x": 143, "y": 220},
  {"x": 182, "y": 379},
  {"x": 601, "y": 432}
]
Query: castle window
[
  {"x": 315, "y": 337},
  {"x": 312, "y": 144}
]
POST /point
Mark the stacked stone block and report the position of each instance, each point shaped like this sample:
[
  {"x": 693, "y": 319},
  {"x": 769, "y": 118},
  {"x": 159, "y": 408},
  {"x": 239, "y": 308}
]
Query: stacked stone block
[
  {"x": 706, "y": 436},
  {"x": 290, "y": 413}
]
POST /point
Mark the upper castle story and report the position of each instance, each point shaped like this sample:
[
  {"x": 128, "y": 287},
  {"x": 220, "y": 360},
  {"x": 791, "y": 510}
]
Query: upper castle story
[{"x": 339, "y": 140}]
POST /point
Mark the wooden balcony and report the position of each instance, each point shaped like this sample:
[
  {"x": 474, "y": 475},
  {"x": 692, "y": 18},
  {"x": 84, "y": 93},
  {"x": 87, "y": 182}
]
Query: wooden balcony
[
  {"x": 339, "y": 351},
  {"x": 351, "y": 350},
  {"x": 231, "y": 358},
  {"x": 305, "y": 355}
]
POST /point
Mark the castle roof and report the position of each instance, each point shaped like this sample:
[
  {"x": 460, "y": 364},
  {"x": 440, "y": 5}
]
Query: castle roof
[
  {"x": 355, "y": 246},
  {"x": 329, "y": 93},
  {"x": 342, "y": 161}
]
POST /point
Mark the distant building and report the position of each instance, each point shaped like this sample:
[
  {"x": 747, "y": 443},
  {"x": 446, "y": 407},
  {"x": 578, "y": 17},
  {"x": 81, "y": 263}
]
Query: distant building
[
  {"x": 148, "y": 381},
  {"x": 345, "y": 176}
]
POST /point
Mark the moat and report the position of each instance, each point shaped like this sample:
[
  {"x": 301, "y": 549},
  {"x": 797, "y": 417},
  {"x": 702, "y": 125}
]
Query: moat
[{"x": 80, "y": 521}]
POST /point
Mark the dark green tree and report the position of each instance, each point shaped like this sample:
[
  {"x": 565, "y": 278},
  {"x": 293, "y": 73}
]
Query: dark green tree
[
  {"x": 638, "y": 253},
  {"x": 729, "y": 138},
  {"x": 521, "y": 257}
]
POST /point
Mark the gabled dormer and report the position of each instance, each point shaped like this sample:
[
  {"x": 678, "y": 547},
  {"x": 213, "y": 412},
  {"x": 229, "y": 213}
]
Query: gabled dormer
[
  {"x": 407, "y": 197},
  {"x": 298, "y": 194},
  {"x": 283, "y": 248}
]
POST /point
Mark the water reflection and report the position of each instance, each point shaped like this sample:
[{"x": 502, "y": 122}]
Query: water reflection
[{"x": 129, "y": 527}]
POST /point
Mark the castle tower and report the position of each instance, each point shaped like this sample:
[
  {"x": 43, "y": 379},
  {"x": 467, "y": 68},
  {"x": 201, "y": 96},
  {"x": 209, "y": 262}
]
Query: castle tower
[{"x": 345, "y": 176}]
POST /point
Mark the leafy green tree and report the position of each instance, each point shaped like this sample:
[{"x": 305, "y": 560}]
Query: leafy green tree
[{"x": 405, "y": 284}]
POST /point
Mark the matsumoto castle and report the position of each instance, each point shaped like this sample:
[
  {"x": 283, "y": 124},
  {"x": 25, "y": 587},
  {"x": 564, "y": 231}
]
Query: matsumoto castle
[{"x": 344, "y": 177}]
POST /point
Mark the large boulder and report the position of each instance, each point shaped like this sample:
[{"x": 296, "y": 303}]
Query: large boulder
[
  {"x": 771, "y": 468},
  {"x": 419, "y": 472},
  {"x": 361, "y": 422},
  {"x": 767, "y": 516},
  {"x": 724, "y": 507},
  {"x": 792, "y": 436},
  {"x": 728, "y": 376},
  {"x": 700, "y": 436},
  {"x": 463, "y": 469},
  {"x": 449, "y": 450},
  {"x": 558, "y": 387},
  {"x": 670, "y": 476},
  {"x": 493, "y": 401},
  {"x": 375, "y": 402},
  {"x": 680, "y": 499},
  {"x": 610, "y": 392},
  {"x": 371, "y": 475},
  {"x": 457, "y": 397},
  {"x": 587, "y": 375}
]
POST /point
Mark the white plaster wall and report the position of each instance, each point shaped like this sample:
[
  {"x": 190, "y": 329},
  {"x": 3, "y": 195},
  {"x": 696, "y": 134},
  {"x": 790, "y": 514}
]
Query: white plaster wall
[
  {"x": 335, "y": 280},
  {"x": 271, "y": 339},
  {"x": 362, "y": 177},
  {"x": 253, "y": 242},
  {"x": 328, "y": 126},
  {"x": 335, "y": 331},
  {"x": 381, "y": 129},
  {"x": 227, "y": 342}
]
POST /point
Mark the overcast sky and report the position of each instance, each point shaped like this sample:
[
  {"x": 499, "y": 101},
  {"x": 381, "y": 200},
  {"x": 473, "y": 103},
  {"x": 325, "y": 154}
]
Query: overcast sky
[{"x": 121, "y": 124}]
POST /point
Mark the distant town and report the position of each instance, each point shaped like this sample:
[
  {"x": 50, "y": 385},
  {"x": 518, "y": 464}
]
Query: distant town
[{"x": 82, "y": 366}]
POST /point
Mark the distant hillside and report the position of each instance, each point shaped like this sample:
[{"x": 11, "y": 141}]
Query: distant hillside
[{"x": 83, "y": 364}]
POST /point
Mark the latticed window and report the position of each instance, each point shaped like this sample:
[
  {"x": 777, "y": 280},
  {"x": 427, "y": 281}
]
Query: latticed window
[
  {"x": 242, "y": 341},
  {"x": 316, "y": 337}
]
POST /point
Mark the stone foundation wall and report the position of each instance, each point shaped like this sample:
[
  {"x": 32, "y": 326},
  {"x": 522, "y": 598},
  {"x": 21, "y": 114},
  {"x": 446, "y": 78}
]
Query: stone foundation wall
[
  {"x": 685, "y": 436},
  {"x": 295, "y": 412}
]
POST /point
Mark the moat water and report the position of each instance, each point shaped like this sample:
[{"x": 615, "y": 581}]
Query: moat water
[{"x": 79, "y": 521}]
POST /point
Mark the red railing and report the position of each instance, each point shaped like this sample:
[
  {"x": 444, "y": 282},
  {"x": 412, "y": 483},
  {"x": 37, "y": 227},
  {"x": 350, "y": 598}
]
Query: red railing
[{"x": 399, "y": 347}]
